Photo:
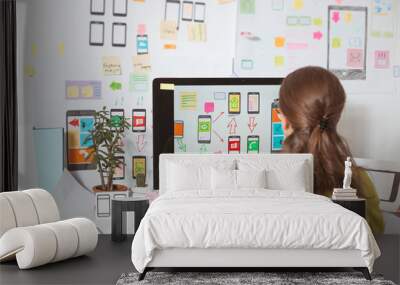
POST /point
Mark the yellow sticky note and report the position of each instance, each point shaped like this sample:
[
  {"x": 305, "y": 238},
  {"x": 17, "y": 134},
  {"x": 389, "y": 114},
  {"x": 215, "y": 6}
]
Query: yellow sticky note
[
  {"x": 61, "y": 49},
  {"x": 298, "y": 4},
  {"x": 29, "y": 70},
  {"x": 224, "y": 1},
  {"x": 34, "y": 50},
  {"x": 197, "y": 32},
  {"x": 112, "y": 65},
  {"x": 317, "y": 22},
  {"x": 279, "y": 60},
  {"x": 279, "y": 41},
  {"x": 336, "y": 42},
  {"x": 73, "y": 91},
  {"x": 141, "y": 62},
  {"x": 348, "y": 16},
  {"x": 168, "y": 30},
  {"x": 87, "y": 91}
]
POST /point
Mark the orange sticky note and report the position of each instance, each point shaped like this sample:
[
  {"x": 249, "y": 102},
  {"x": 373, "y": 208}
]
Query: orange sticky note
[
  {"x": 170, "y": 46},
  {"x": 279, "y": 41}
]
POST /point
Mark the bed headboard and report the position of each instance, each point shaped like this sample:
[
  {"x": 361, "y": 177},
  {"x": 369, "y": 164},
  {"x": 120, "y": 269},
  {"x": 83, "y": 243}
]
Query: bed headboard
[{"x": 210, "y": 159}]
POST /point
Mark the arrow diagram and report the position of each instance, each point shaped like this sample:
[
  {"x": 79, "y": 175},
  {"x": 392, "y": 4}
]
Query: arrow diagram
[
  {"x": 219, "y": 116},
  {"x": 219, "y": 136},
  {"x": 252, "y": 124},
  {"x": 232, "y": 126},
  {"x": 74, "y": 122},
  {"x": 181, "y": 145},
  {"x": 115, "y": 86},
  {"x": 140, "y": 143}
]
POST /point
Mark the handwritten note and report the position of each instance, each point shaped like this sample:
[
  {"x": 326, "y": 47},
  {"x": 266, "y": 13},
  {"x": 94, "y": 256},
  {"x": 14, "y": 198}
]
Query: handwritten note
[
  {"x": 112, "y": 65},
  {"x": 197, "y": 32},
  {"x": 188, "y": 101},
  {"x": 141, "y": 62},
  {"x": 168, "y": 30}
]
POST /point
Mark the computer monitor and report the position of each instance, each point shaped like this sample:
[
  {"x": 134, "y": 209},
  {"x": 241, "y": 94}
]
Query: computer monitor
[{"x": 215, "y": 115}]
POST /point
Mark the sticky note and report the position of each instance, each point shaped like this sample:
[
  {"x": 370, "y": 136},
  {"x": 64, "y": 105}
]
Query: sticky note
[
  {"x": 138, "y": 82},
  {"x": 188, "y": 101},
  {"x": 72, "y": 92},
  {"x": 279, "y": 60},
  {"x": 168, "y": 30},
  {"x": 209, "y": 107},
  {"x": 141, "y": 29},
  {"x": 317, "y": 22},
  {"x": 298, "y": 4},
  {"x": 317, "y": 35},
  {"x": 348, "y": 17},
  {"x": 141, "y": 62},
  {"x": 336, "y": 42},
  {"x": 335, "y": 16},
  {"x": 246, "y": 64},
  {"x": 224, "y": 1},
  {"x": 169, "y": 46},
  {"x": 112, "y": 65},
  {"x": 30, "y": 70},
  {"x": 167, "y": 86},
  {"x": 197, "y": 32},
  {"x": 279, "y": 41},
  {"x": 87, "y": 91},
  {"x": 247, "y": 6}
]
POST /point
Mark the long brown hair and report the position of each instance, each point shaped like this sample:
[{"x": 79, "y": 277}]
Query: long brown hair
[{"x": 312, "y": 100}]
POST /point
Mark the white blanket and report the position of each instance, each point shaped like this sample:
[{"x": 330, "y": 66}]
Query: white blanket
[{"x": 250, "y": 218}]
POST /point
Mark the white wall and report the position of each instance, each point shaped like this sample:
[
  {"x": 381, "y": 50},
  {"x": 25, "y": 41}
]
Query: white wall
[{"x": 370, "y": 122}]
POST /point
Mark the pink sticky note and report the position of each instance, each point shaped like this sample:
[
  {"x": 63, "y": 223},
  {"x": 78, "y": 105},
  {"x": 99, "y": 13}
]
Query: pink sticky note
[
  {"x": 317, "y": 35},
  {"x": 141, "y": 29},
  {"x": 209, "y": 107},
  {"x": 355, "y": 58},
  {"x": 335, "y": 16},
  {"x": 382, "y": 59}
]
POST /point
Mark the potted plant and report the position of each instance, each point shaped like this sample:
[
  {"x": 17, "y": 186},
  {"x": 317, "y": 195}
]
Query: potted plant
[{"x": 106, "y": 136}]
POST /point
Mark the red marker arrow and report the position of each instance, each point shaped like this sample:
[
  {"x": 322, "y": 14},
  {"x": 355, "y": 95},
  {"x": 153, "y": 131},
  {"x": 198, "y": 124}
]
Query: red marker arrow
[
  {"x": 74, "y": 122},
  {"x": 252, "y": 124},
  {"x": 317, "y": 35},
  {"x": 140, "y": 143},
  {"x": 219, "y": 136},
  {"x": 219, "y": 116},
  {"x": 336, "y": 17},
  {"x": 232, "y": 126}
]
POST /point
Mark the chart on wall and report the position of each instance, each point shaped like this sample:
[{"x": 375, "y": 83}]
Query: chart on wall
[
  {"x": 226, "y": 119},
  {"x": 355, "y": 39}
]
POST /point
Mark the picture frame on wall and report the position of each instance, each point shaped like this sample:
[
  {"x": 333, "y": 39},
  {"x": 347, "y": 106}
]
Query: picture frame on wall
[
  {"x": 120, "y": 8},
  {"x": 96, "y": 33},
  {"x": 118, "y": 34},
  {"x": 97, "y": 7}
]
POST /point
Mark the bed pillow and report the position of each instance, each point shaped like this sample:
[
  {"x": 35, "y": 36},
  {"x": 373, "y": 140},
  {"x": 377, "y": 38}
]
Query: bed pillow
[
  {"x": 251, "y": 178},
  {"x": 223, "y": 179},
  {"x": 187, "y": 175},
  {"x": 281, "y": 174}
]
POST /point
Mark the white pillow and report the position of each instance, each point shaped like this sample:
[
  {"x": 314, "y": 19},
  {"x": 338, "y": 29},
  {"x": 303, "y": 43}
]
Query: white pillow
[
  {"x": 251, "y": 178},
  {"x": 190, "y": 175},
  {"x": 282, "y": 174},
  {"x": 223, "y": 179}
]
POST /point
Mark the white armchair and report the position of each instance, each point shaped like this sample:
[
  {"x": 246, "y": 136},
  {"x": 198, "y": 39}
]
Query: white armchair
[{"x": 31, "y": 230}]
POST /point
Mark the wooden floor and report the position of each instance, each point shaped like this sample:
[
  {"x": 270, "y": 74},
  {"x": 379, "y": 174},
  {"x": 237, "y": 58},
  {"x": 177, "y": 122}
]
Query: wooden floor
[{"x": 111, "y": 259}]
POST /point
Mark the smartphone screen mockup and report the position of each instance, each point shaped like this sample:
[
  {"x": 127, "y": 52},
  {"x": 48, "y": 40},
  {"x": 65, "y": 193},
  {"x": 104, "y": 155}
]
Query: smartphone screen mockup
[
  {"x": 117, "y": 116},
  {"x": 253, "y": 144},
  {"x": 204, "y": 129},
  {"x": 253, "y": 102},
  {"x": 234, "y": 103},
  {"x": 138, "y": 120},
  {"x": 142, "y": 44},
  {"x": 178, "y": 128},
  {"x": 234, "y": 144},
  {"x": 277, "y": 135}
]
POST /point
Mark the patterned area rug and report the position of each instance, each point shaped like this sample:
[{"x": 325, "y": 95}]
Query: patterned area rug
[{"x": 229, "y": 278}]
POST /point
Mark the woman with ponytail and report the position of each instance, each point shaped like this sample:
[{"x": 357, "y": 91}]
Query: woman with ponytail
[{"x": 311, "y": 100}]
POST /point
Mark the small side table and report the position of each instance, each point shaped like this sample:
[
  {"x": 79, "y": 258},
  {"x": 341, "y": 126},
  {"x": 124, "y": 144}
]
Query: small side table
[
  {"x": 355, "y": 205},
  {"x": 138, "y": 204}
]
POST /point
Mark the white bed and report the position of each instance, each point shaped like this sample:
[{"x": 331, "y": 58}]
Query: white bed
[{"x": 289, "y": 226}]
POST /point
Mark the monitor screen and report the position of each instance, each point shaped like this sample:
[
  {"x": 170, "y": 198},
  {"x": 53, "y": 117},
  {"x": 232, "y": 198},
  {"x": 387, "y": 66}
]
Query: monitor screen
[{"x": 215, "y": 115}]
